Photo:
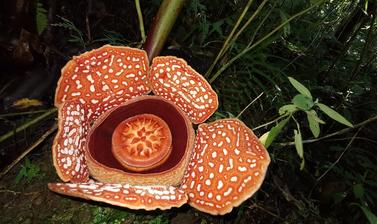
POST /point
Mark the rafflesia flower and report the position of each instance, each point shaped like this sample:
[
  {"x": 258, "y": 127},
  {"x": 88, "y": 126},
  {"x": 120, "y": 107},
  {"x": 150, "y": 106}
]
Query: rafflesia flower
[{"x": 141, "y": 150}]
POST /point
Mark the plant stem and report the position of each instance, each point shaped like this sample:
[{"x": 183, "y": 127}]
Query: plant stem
[
  {"x": 161, "y": 27},
  {"x": 22, "y": 113},
  {"x": 370, "y": 120},
  {"x": 340, "y": 157},
  {"x": 249, "y": 104},
  {"x": 28, "y": 150},
  {"x": 260, "y": 7},
  {"x": 270, "y": 122},
  {"x": 141, "y": 23},
  {"x": 228, "y": 39},
  {"x": 247, "y": 49},
  {"x": 27, "y": 124},
  {"x": 267, "y": 211}
]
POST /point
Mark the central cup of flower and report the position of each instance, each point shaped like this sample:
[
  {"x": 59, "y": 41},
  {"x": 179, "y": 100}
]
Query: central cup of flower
[{"x": 141, "y": 142}]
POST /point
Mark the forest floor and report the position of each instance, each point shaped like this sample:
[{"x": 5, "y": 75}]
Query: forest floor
[{"x": 30, "y": 201}]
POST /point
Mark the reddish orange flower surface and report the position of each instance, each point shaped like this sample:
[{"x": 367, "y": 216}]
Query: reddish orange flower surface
[{"x": 117, "y": 143}]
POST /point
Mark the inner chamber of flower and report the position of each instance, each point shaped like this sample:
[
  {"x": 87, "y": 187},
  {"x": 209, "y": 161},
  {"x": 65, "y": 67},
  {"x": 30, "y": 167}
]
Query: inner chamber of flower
[{"x": 146, "y": 136}]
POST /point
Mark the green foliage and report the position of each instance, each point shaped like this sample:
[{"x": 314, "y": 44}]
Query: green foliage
[
  {"x": 28, "y": 172},
  {"x": 333, "y": 114},
  {"x": 204, "y": 26},
  {"x": 314, "y": 122},
  {"x": 372, "y": 218},
  {"x": 41, "y": 18},
  {"x": 299, "y": 146},
  {"x": 274, "y": 132},
  {"x": 300, "y": 88},
  {"x": 159, "y": 220},
  {"x": 358, "y": 173},
  {"x": 101, "y": 215},
  {"x": 76, "y": 35},
  {"x": 112, "y": 38},
  {"x": 303, "y": 102}
]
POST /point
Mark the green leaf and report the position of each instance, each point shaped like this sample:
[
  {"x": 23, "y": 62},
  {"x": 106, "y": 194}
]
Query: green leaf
[
  {"x": 289, "y": 108},
  {"x": 299, "y": 147},
  {"x": 372, "y": 218},
  {"x": 313, "y": 123},
  {"x": 303, "y": 102},
  {"x": 27, "y": 163},
  {"x": 358, "y": 191},
  {"x": 315, "y": 116},
  {"x": 41, "y": 18},
  {"x": 366, "y": 6},
  {"x": 274, "y": 132},
  {"x": 263, "y": 138},
  {"x": 300, "y": 88},
  {"x": 287, "y": 27},
  {"x": 20, "y": 175},
  {"x": 302, "y": 165},
  {"x": 334, "y": 115},
  {"x": 216, "y": 27},
  {"x": 298, "y": 143}
]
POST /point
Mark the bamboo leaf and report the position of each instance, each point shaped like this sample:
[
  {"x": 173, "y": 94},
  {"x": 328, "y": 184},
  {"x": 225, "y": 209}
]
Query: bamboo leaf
[
  {"x": 298, "y": 144},
  {"x": 263, "y": 138},
  {"x": 287, "y": 27},
  {"x": 299, "y": 147},
  {"x": 334, "y": 115},
  {"x": 313, "y": 123},
  {"x": 41, "y": 18},
  {"x": 300, "y": 87},
  {"x": 302, "y": 165},
  {"x": 289, "y": 108},
  {"x": 372, "y": 218},
  {"x": 358, "y": 191},
  {"x": 303, "y": 102},
  {"x": 274, "y": 132}
]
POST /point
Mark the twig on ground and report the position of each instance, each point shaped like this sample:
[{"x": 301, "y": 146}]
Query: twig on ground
[
  {"x": 266, "y": 211},
  {"x": 22, "y": 113},
  {"x": 28, "y": 150},
  {"x": 27, "y": 124}
]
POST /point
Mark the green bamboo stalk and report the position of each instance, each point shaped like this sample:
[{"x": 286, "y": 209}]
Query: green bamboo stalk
[
  {"x": 247, "y": 49},
  {"x": 228, "y": 39},
  {"x": 252, "y": 17},
  {"x": 141, "y": 22}
]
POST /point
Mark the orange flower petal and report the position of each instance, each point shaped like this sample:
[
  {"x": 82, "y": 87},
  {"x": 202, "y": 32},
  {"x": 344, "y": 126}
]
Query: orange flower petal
[
  {"x": 176, "y": 81},
  {"x": 96, "y": 76},
  {"x": 69, "y": 143},
  {"x": 228, "y": 166},
  {"x": 134, "y": 197}
]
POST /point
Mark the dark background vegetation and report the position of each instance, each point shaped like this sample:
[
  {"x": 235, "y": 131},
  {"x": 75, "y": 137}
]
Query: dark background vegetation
[{"x": 331, "y": 50}]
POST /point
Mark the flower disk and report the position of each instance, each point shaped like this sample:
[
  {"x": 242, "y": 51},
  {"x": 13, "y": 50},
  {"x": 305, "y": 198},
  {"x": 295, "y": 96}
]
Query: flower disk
[{"x": 141, "y": 142}]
